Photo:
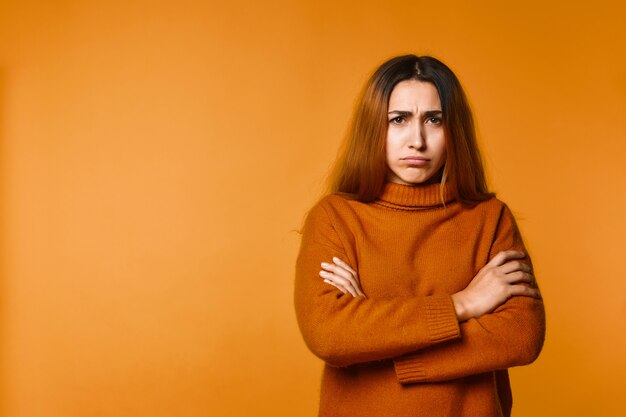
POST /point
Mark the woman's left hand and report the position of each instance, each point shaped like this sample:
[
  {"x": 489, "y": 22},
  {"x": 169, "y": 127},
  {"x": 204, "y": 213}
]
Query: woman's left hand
[{"x": 342, "y": 276}]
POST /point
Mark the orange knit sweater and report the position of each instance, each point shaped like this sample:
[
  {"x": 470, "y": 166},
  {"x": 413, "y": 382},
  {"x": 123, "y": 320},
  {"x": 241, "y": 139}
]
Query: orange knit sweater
[{"x": 401, "y": 352}]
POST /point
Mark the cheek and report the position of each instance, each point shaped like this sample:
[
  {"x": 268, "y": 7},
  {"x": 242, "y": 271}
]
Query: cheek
[
  {"x": 443, "y": 151},
  {"x": 390, "y": 145}
]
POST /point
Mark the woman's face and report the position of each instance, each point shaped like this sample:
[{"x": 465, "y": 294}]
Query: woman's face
[{"x": 416, "y": 143}]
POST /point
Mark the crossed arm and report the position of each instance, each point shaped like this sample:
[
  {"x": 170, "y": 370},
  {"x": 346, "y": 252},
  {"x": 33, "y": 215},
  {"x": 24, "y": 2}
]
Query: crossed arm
[{"x": 429, "y": 338}]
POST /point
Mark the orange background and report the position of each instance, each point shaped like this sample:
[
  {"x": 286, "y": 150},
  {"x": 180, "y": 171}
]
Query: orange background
[{"x": 156, "y": 157}]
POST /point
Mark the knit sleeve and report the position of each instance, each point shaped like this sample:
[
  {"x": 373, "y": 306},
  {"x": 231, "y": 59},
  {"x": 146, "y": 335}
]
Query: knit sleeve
[
  {"x": 344, "y": 330},
  {"x": 512, "y": 335}
]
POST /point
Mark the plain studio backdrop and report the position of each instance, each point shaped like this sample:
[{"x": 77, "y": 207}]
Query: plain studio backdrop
[{"x": 157, "y": 156}]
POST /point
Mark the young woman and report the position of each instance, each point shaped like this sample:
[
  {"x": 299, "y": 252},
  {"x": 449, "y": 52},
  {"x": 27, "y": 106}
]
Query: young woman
[{"x": 413, "y": 283}]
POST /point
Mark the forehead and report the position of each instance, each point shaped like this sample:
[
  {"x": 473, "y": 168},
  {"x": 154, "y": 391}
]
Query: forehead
[{"x": 414, "y": 94}]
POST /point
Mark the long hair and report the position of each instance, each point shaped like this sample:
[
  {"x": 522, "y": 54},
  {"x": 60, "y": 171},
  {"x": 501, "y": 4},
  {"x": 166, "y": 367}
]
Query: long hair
[{"x": 360, "y": 169}]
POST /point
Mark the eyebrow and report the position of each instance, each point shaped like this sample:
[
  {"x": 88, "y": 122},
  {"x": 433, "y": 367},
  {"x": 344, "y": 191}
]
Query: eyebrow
[{"x": 427, "y": 113}]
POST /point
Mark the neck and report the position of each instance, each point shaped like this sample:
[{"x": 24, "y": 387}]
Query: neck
[{"x": 418, "y": 196}]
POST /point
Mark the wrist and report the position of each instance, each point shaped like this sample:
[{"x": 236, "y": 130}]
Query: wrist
[{"x": 460, "y": 307}]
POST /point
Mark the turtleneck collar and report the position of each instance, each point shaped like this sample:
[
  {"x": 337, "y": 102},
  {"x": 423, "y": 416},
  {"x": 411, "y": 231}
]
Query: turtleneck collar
[{"x": 419, "y": 196}]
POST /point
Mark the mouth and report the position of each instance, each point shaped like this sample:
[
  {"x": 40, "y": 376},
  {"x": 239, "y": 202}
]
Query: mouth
[
  {"x": 416, "y": 161},
  {"x": 415, "y": 158}
]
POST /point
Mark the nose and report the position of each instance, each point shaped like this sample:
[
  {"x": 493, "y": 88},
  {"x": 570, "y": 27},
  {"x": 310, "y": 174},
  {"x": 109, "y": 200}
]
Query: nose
[{"x": 417, "y": 137}]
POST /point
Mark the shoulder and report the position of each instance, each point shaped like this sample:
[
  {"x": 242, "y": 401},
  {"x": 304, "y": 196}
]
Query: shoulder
[
  {"x": 494, "y": 208},
  {"x": 333, "y": 211},
  {"x": 321, "y": 224},
  {"x": 333, "y": 205},
  {"x": 493, "y": 215},
  {"x": 503, "y": 211},
  {"x": 323, "y": 210},
  {"x": 506, "y": 231},
  {"x": 335, "y": 200}
]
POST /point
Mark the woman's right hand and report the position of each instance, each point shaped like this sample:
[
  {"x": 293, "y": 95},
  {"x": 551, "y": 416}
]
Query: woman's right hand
[
  {"x": 500, "y": 279},
  {"x": 342, "y": 276}
]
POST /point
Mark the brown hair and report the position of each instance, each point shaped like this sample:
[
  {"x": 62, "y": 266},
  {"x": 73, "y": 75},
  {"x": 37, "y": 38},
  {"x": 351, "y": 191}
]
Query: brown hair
[{"x": 360, "y": 169}]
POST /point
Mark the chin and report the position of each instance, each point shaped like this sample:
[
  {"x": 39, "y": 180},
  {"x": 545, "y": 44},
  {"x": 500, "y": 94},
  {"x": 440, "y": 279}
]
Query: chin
[
  {"x": 412, "y": 181},
  {"x": 416, "y": 181}
]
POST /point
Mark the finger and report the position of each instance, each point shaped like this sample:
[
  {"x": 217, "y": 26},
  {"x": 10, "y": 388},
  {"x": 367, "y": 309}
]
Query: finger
[
  {"x": 343, "y": 282},
  {"x": 329, "y": 279},
  {"x": 343, "y": 264},
  {"x": 524, "y": 290},
  {"x": 355, "y": 277},
  {"x": 336, "y": 286},
  {"x": 519, "y": 277},
  {"x": 341, "y": 288},
  {"x": 512, "y": 266},
  {"x": 340, "y": 271},
  {"x": 503, "y": 256}
]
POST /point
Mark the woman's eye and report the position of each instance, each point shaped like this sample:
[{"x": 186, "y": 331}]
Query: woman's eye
[
  {"x": 435, "y": 120},
  {"x": 397, "y": 120}
]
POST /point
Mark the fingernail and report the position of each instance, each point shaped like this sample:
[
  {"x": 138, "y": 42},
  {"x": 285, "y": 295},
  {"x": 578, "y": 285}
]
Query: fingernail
[
  {"x": 336, "y": 259},
  {"x": 325, "y": 264}
]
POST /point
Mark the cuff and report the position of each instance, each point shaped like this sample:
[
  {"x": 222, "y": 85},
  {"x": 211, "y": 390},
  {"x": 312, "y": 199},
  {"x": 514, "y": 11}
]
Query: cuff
[
  {"x": 410, "y": 369},
  {"x": 441, "y": 319},
  {"x": 443, "y": 325}
]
